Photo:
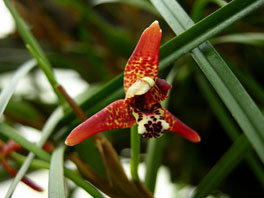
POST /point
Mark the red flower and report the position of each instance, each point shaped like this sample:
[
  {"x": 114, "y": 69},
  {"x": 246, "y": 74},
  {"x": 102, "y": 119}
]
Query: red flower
[{"x": 144, "y": 93}]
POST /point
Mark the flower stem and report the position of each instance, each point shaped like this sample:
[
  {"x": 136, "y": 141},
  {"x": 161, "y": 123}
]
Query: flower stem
[
  {"x": 153, "y": 161},
  {"x": 135, "y": 152}
]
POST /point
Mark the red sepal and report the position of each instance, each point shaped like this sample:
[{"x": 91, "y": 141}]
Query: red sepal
[
  {"x": 177, "y": 126},
  {"x": 144, "y": 61},
  {"x": 116, "y": 115}
]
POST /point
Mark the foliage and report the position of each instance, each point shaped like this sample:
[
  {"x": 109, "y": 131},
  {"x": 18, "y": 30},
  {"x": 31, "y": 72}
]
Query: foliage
[{"x": 222, "y": 100}]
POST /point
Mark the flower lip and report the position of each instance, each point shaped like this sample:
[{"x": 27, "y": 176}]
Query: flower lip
[{"x": 151, "y": 124}]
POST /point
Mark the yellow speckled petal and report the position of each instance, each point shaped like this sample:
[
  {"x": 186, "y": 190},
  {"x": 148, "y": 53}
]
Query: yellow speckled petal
[
  {"x": 144, "y": 61},
  {"x": 116, "y": 115}
]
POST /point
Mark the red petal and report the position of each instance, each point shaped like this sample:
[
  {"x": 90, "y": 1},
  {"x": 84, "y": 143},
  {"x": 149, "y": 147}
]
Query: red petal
[
  {"x": 144, "y": 61},
  {"x": 115, "y": 115},
  {"x": 177, "y": 126}
]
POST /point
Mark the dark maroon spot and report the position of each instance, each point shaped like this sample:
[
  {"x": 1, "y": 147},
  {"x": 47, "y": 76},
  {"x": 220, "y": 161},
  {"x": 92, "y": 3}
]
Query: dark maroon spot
[{"x": 157, "y": 127}]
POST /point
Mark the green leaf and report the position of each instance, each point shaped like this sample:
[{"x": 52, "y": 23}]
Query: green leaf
[
  {"x": 224, "y": 166},
  {"x": 24, "y": 30},
  {"x": 252, "y": 85},
  {"x": 74, "y": 176},
  {"x": 190, "y": 35},
  {"x": 45, "y": 66},
  {"x": 46, "y": 132},
  {"x": 25, "y": 112},
  {"x": 213, "y": 66},
  {"x": 252, "y": 38},
  {"x": 35, "y": 49},
  {"x": 14, "y": 135},
  {"x": 8, "y": 91},
  {"x": 199, "y": 7},
  {"x": 56, "y": 176},
  {"x": 231, "y": 129},
  {"x": 143, "y": 4},
  {"x": 82, "y": 183}
]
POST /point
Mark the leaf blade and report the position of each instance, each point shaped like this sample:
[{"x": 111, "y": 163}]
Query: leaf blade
[
  {"x": 9, "y": 90},
  {"x": 14, "y": 135},
  {"x": 56, "y": 175},
  {"x": 218, "y": 73}
]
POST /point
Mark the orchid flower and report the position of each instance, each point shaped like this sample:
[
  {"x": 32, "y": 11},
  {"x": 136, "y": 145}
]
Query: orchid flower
[{"x": 144, "y": 93}]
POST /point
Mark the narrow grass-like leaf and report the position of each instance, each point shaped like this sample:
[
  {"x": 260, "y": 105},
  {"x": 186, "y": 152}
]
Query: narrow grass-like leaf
[
  {"x": 143, "y": 4},
  {"x": 224, "y": 166},
  {"x": 74, "y": 176},
  {"x": 35, "y": 49},
  {"x": 45, "y": 66},
  {"x": 56, "y": 176},
  {"x": 224, "y": 118},
  {"x": 199, "y": 7},
  {"x": 82, "y": 183},
  {"x": 24, "y": 30},
  {"x": 36, "y": 163},
  {"x": 229, "y": 126},
  {"x": 14, "y": 135},
  {"x": 8, "y": 91},
  {"x": 135, "y": 152},
  {"x": 252, "y": 38},
  {"x": 46, "y": 132},
  {"x": 213, "y": 66},
  {"x": 256, "y": 89},
  {"x": 20, "y": 174},
  {"x": 190, "y": 35}
]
